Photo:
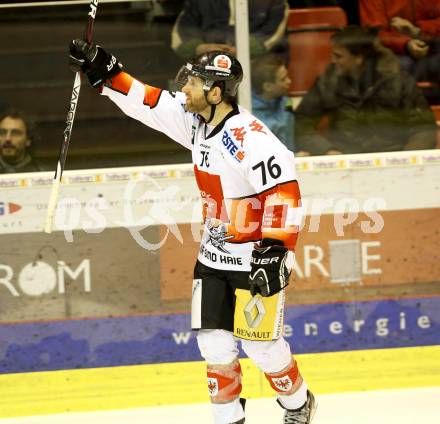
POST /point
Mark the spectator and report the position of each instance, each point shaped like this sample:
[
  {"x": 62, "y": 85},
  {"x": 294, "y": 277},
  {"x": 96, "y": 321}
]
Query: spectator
[
  {"x": 411, "y": 29},
  {"x": 208, "y": 25},
  {"x": 270, "y": 104},
  {"x": 371, "y": 105},
  {"x": 16, "y": 135}
]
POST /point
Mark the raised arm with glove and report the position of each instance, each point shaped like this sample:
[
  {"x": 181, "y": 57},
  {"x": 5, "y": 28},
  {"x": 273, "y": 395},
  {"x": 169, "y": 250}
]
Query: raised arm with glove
[{"x": 94, "y": 61}]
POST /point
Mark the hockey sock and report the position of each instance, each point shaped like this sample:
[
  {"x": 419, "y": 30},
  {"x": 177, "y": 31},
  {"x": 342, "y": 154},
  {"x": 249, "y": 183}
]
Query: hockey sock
[
  {"x": 295, "y": 400},
  {"x": 227, "y": 413}
]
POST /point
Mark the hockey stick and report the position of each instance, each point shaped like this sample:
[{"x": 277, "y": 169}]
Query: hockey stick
[{"x": 53, "y": 200}]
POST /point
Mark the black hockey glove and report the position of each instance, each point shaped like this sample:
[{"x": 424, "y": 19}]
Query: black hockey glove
[
  {"x": 271, "y": 265},
  {"x": 94, "y": 61}
]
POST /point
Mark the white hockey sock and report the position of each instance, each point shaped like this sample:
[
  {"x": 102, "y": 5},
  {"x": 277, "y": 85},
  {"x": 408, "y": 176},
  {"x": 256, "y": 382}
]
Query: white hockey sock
[
  {"x": 227, "y": 413},
  {"x": 295, "y": 400}
]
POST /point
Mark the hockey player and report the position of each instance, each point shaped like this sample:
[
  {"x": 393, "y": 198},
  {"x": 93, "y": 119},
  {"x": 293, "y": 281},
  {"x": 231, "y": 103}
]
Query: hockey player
[{"x": 251, "y": 211}]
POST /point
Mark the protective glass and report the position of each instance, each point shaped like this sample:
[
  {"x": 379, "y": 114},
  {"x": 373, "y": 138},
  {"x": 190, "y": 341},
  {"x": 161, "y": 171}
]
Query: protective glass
[
  {"x": 182, "y": 76},
  {"x": 188, "y": 71}
]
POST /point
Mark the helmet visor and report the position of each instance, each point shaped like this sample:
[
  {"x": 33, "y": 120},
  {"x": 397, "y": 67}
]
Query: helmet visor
[
  {"x": 187, "y": 71},
  {"x": 182, "y": 76}
]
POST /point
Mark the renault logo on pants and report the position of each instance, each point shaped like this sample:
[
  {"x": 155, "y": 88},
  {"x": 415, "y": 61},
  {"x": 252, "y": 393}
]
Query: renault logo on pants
[{"x": 254, "y": 312}]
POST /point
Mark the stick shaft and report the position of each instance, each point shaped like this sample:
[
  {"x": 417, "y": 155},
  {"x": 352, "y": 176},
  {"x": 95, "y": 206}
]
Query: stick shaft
[
  {"x": 91, "y": 20},
  {"x": 63, "y": 154},
  {"x": 53, "y": 200},
  {"x": 69, "y": 125}
]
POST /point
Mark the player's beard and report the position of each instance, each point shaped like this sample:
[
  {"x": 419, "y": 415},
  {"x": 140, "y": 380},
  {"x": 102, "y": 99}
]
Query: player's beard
[{"x": 196, "y": 104}]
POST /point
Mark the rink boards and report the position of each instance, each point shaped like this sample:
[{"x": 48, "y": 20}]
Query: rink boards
[
  {"x": 106, "y": 342},
  {"x": 96, "y": 299}
]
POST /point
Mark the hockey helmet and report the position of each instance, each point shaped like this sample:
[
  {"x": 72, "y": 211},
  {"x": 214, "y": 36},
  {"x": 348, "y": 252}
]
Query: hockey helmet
[{"x": 216, "y": 68}]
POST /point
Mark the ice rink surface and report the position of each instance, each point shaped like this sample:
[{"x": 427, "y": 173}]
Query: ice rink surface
[{"x": 403, "y": 406}]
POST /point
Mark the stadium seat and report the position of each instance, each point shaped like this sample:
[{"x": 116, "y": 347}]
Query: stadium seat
[
  {"x": 309, "y": 32},
  {"x": 436, "y": 110},
  {"x": 317, "y": 16}
]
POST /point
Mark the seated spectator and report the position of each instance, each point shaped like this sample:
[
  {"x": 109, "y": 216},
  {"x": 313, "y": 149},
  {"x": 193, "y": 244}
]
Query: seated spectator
[
  {"x": 15, "y": 144},
  {"x": 270, "y": 104},
  {"x": 411, "y": 29},
  {"x": 208, "y": 25},
  {"x": 371, "y": 105}
]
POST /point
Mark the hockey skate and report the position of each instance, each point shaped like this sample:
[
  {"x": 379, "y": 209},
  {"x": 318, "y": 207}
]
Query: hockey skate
[{"x": 301, "y": 415}]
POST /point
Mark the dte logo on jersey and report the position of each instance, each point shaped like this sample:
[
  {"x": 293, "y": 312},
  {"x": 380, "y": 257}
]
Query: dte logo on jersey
[
  {"x": 232, "y": 148},
  {"x": 8, "y": 208}
]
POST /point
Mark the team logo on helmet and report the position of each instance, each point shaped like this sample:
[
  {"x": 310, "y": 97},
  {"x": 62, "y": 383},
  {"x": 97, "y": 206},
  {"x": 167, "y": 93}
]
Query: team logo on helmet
[{"x": 221, "y": 63}]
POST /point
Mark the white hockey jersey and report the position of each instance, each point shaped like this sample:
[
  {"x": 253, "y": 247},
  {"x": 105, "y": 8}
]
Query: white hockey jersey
[{"x": 245, "y": 175}]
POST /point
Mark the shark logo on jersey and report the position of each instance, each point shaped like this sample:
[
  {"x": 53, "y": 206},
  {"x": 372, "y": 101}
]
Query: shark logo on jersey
[
  {"x": 217, "y": 234},
  {"x": 232, "y": 148}
]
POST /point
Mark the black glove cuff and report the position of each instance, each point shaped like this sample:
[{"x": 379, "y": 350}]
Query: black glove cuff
[
  {"x": 266, "y": 242},
  {"x": 269, "y": 244}
]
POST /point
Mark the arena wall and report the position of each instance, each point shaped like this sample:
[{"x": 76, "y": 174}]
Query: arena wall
[{"x": 106, "y": 297}]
